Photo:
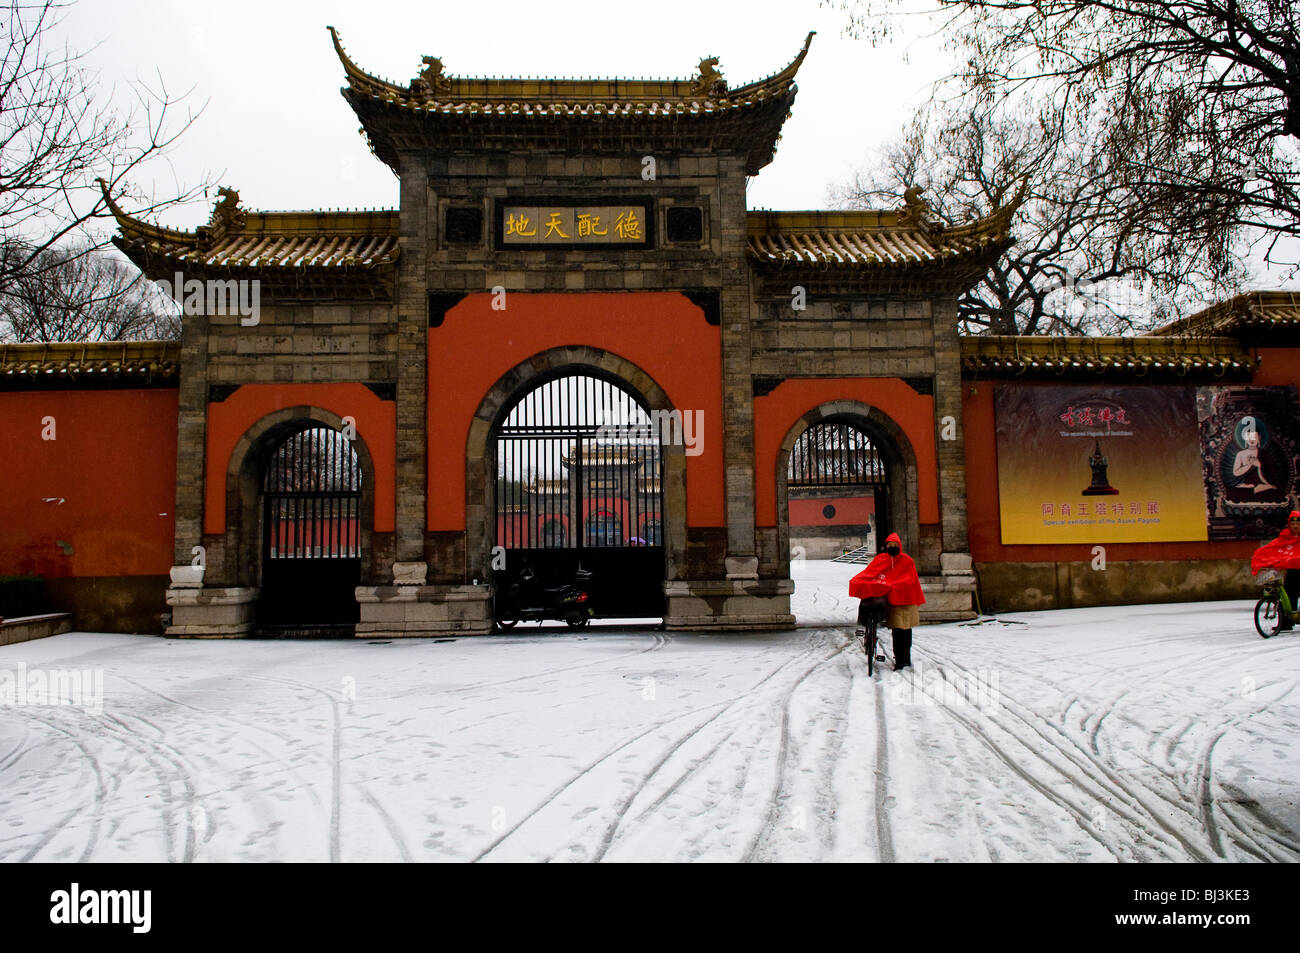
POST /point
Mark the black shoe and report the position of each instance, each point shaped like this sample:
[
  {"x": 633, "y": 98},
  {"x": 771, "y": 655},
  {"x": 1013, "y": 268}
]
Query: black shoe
[{"x": 899, "y": 667}]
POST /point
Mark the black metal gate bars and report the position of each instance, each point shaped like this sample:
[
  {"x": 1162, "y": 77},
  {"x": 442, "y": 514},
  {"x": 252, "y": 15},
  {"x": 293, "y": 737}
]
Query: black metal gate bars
[
  {"x": 579, "y": 481},
  {"x": 311, "y": 532}
]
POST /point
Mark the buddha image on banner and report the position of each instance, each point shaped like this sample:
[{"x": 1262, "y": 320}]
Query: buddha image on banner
[
  {"x": 1251, "y": 443},
  {"x": 1090, "y": 464}
]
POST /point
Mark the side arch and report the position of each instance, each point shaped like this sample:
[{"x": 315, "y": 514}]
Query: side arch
[
  {"x": 480, "y": 449},
  {"x": 892, "y": 444},
  {"x": 244, "y": 471}
]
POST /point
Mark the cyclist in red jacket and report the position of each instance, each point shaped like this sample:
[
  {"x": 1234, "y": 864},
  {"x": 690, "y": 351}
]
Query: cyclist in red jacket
[
  {"x": 895, "y": 570},
  {"x": 1283, "y": 553}
]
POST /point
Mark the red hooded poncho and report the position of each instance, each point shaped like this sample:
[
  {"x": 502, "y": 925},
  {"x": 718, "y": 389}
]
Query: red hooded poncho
[
  {"x": 891, "y": 576},
  {"x": 1281, "y": 553}
]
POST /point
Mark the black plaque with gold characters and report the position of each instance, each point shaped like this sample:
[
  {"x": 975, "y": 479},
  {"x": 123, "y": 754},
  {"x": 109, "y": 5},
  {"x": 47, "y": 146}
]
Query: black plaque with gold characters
[{"x": 599, "y": 222}]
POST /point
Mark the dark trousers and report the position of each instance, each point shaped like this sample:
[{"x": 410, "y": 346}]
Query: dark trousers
[{"x": 902, "y": 647}]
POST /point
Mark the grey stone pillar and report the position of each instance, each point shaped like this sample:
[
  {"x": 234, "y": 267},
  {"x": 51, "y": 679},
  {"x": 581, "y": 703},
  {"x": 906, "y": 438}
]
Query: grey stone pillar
[
  {"x": 948, "y": 422},
  {"x": 191, "y": 438},
  {"x": 737, "y": 379},
  {"x": 412, "y": 375}
]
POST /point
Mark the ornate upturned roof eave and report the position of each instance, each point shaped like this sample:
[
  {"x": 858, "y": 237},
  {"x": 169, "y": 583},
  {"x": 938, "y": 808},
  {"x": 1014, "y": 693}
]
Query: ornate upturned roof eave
[
  {"x": 115, "y": 364},
  {"x": 352, "y": 252},
  {"x": 441, "y": 112},
  {"x": 1252, "y": 312},
  {"x": 452, "y": 91},
  {"x": 865, "y": 245},
  {"x": 135, "y": 229},
  {"x": 1083, "y": 357}
]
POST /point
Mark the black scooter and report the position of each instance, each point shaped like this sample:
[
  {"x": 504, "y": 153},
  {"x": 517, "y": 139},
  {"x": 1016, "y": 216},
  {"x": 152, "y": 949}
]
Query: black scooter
[{"x": 528, "y": 601}]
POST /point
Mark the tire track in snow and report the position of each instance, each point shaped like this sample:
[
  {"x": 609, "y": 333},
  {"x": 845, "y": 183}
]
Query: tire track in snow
[
  {"x": 1097, "y": 788},
  {"x": 884, "y": 834},
  {"x": 1197, "y": 803},
  {"x": 17, "y": 751},
  {"x": 335, "y": 761},
  {"x": 746, "y": 696},
  {"x": 690, "y": 770},
  {"x": 1205, "y": 782},
  {"x": 1090, "y": 768},
  {"x": 780, "y": 778},
  {"x": 170, "y": 770},
  {"x": 1199, "y": 775},
  {"x": 96, "y": 807},
  {"x": 588, "y": 769},
  {"x": 1039, "y": 785},
  {"x": 659, "y": 642}
]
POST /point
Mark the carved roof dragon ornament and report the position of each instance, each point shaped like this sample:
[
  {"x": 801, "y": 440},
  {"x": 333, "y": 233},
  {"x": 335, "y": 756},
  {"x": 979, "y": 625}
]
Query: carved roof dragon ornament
[
  {"x": 916, "y": 211},
  {"x": 709, "y": 81},
  {"x": 227, "y": 216},
  {"x": 431, "y": 82}
]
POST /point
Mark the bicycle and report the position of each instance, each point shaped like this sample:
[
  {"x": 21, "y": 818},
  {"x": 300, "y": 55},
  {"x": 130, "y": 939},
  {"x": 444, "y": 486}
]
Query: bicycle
[
  {"x": 870, "y": 634},
  {"x": 1270, "y": 608}
]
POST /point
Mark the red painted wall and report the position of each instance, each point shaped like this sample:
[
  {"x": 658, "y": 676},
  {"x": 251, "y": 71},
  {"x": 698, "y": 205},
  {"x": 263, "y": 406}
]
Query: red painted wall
[
  {"x": 662, "y": 333},
  {"x": 1281, "y": 366},
  {"x": 1277, "y": 366},
  {"x": 112, "y": 462},
  {"x": 777, "y": 412},
  {"x": 230, "y": 419},
  {"x": 849, "y": 511}
]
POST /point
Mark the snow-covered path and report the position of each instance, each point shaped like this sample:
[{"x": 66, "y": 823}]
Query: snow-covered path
[{"x": 1134, "y": 733}]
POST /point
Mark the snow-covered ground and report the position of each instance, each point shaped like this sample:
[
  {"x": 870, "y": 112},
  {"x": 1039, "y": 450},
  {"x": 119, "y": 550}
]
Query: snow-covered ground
[{"x": 1149, "y": 733}]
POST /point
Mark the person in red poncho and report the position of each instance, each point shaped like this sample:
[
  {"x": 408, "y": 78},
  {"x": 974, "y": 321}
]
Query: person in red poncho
[
  {"x": 1283, "y": 553},
  {"x": 892, "y": 577}
]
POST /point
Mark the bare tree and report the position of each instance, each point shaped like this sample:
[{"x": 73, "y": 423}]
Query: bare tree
[
  {"x": 81, "y": 294},
  {"x": 58, "y": 133},
  {"x": 1076, "y": 266},
  {"x": 1194, "y": 106}
]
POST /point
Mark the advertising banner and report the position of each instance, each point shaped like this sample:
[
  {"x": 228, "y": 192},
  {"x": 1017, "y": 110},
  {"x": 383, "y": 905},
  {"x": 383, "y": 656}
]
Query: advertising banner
[
  {"x": 1250, "y": 439},
  {"x": 1099, "y": 464}
]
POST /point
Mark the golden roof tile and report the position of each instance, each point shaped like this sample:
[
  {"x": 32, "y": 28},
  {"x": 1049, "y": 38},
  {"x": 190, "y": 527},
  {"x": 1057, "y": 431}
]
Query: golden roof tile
[
  {"x": 115, "y": 364},
  {"x": 435, "y": 91},
  {"x": 869, "y": 238},
  {"x": 1254, "y": 310},
  {"x": 237, "y": 240},
  {"x": 1039, "y": 356}
]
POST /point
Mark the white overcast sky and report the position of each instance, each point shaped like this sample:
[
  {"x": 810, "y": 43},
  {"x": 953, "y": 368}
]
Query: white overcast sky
[{"x": 275, "y": 127}]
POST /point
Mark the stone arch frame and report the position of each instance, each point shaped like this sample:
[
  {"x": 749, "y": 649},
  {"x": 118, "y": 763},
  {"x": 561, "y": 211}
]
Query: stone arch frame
[
  {"x": 244, "y": 472},
  {"x": 480, "y": 447},
  {"x": 890, "y": 441}
]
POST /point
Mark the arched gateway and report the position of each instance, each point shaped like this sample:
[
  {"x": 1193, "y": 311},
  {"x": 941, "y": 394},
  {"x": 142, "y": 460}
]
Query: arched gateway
[
  {"x": 560, "y": 243},
  {"x": 311, "y": 534},
  {"x": 579, "y": 484}
]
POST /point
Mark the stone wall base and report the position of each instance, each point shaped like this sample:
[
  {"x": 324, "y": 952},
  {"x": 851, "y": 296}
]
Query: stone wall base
[
  {"x": 110, "y": 603},
  {"x": 950, "y": 596},
  {"x": 728, "y": 604},
  {"x": 26, "y": 628},
  {"x": 947, "y": 599},
  {"x": 1023, "y": 587},
  {"x": 397, "y": 611},
  {"x": 211, "y": 613}
]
